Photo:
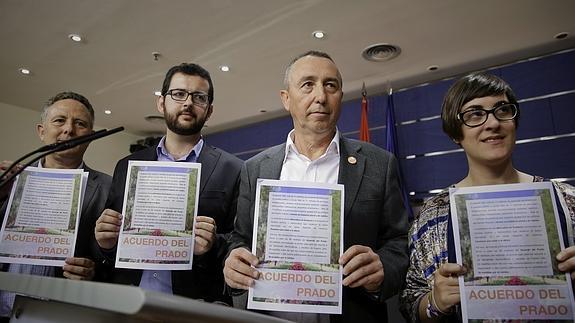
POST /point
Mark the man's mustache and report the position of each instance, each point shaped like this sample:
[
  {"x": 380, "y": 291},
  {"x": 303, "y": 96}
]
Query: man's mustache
[{"x": 187, "y": 111}]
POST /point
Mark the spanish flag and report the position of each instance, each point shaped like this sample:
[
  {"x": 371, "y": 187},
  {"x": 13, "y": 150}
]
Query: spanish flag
[{"x": 364, "y": 127}]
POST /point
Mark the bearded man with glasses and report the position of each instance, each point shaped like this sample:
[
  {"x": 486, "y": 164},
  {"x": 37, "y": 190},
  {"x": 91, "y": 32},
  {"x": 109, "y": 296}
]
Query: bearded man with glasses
[{"x": 186, "y": 103}]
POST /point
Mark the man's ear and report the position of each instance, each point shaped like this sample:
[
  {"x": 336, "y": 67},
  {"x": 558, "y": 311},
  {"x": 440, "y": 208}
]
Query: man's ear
[
  {"x": 284, "y": 95},
  {"x": 40, "y": 131},
  {"x": 160, "y": 104},
  {"x": 209, "y": 112}
]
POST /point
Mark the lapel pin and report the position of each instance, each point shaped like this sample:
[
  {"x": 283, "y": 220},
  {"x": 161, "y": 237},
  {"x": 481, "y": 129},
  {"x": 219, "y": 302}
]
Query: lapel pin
[{"x": 351, "y": 160}]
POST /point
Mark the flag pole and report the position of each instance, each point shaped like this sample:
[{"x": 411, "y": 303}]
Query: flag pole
[{"x": 392, "y": 147}]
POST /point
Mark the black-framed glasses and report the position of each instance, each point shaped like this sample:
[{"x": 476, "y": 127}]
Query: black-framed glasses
[
  {"x": 476, "y": 117},
  {"x": 200, "y": 99}
]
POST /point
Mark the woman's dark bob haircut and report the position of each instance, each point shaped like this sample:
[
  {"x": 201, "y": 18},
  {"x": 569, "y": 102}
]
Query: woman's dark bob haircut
[{"x": 467, "y": 88}]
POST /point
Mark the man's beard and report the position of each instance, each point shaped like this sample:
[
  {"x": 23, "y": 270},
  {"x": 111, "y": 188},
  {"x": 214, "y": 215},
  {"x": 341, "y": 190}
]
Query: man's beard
[{"x": 176, "y": 127}]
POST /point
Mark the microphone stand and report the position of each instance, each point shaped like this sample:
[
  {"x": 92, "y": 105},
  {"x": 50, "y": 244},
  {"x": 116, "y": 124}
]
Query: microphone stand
[
  {"x": 43, "y": 149},
  {"x": 55, "y": 147}
]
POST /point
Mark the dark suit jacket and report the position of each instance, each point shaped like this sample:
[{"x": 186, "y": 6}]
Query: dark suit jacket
[
  {"x": 374, "y": 217},
  {"x": 219, "y": 182},
  {"x": 97, "y": 189}
]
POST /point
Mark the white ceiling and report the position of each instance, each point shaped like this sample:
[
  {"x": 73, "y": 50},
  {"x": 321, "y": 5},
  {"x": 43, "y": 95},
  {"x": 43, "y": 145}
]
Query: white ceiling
[{"x": 115, "y": 69}]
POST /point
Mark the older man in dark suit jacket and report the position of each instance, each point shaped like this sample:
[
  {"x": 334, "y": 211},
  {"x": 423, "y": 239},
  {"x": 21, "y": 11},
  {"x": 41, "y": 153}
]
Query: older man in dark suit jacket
[
  {"x": 65, "y": 116},
  {"x": 186, "y": 104},
  {"x": 375, "y": 227}
]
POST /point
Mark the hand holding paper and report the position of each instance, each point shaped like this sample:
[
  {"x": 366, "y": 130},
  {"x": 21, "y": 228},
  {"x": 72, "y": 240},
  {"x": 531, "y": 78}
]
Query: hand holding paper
[
  {"x": 507, "y": 235},
  {"x": 42, "y": 216},
  {"x": 297, "y": 234},
  {"x": 238, "y": 270},
  {"x": 446, "y": 286},
  {"x": 108, "y": 228},
  {"x": 362, "y": 267},
  {"x": 205, "y": 234},
  {"x": 566, "y": 260},
  {"x": 158, "y": 215},
  {"x": 79, "y": 268}
]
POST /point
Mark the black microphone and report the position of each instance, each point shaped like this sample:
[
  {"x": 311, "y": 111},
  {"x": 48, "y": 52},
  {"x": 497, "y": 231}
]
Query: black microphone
[
  {"x": 43, "y": 149},
  {"x": 64, "y": 145},
  {"x": 58, "y": 146}
]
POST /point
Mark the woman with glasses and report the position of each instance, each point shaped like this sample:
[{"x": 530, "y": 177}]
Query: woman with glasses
[{"x": 479, "y": 113}]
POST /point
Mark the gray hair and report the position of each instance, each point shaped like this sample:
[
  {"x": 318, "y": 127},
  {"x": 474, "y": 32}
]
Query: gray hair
[
  {"x": 67, "y": 95},
  {"x": 313, "y": 53}
]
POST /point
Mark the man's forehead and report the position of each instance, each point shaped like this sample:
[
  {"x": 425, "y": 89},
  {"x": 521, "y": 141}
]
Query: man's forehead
[
  {"x": 314, "y": 67},
  {"x": 180, "y": 78},
  {"x": 67, "y": 106}
]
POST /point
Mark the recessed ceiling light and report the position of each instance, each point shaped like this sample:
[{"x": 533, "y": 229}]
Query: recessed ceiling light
[
  {"x": 108, "y": 111},
  {"x": 224, "y": 68},
  {"x": 561, "y": 35},
  {"x": 75, "y": 37},
  {"x": 412, "y": 193},
  {"x": 25, "y": 71},
  {"x": 158, "y": 93},
  {"x": 318, "y": 34},
  {"x": 432, "y": 68}
]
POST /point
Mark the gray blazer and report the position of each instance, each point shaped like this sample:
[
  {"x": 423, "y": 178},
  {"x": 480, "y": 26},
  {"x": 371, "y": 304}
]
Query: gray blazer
[{"x": 374, "y": 217}]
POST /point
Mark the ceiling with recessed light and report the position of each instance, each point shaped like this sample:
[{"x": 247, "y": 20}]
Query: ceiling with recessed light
[{"x": 128, "y": 45}]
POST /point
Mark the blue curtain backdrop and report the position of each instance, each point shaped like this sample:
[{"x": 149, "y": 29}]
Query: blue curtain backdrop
[{"x": 544, "y": 86}]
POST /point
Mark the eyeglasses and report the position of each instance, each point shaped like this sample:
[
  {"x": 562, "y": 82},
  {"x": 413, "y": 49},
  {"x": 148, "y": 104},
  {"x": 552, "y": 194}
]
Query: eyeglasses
[
  {"x": 198, "y": 98},
  {"x": 477, "y": 117}
]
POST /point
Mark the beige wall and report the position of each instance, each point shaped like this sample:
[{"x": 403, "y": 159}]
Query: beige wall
[{"x": 18, "y": 137}]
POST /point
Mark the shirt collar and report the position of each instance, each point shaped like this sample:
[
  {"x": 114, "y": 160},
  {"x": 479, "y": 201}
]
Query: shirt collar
[
  {"x": 40, "y": 164},
  {"x": 191, "y": 156},
  {"x": 333, "y": 147}
]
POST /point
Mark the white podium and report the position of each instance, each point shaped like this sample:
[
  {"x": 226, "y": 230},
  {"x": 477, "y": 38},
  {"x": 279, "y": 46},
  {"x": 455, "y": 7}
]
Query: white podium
[{"x": 48, "y": 299}]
